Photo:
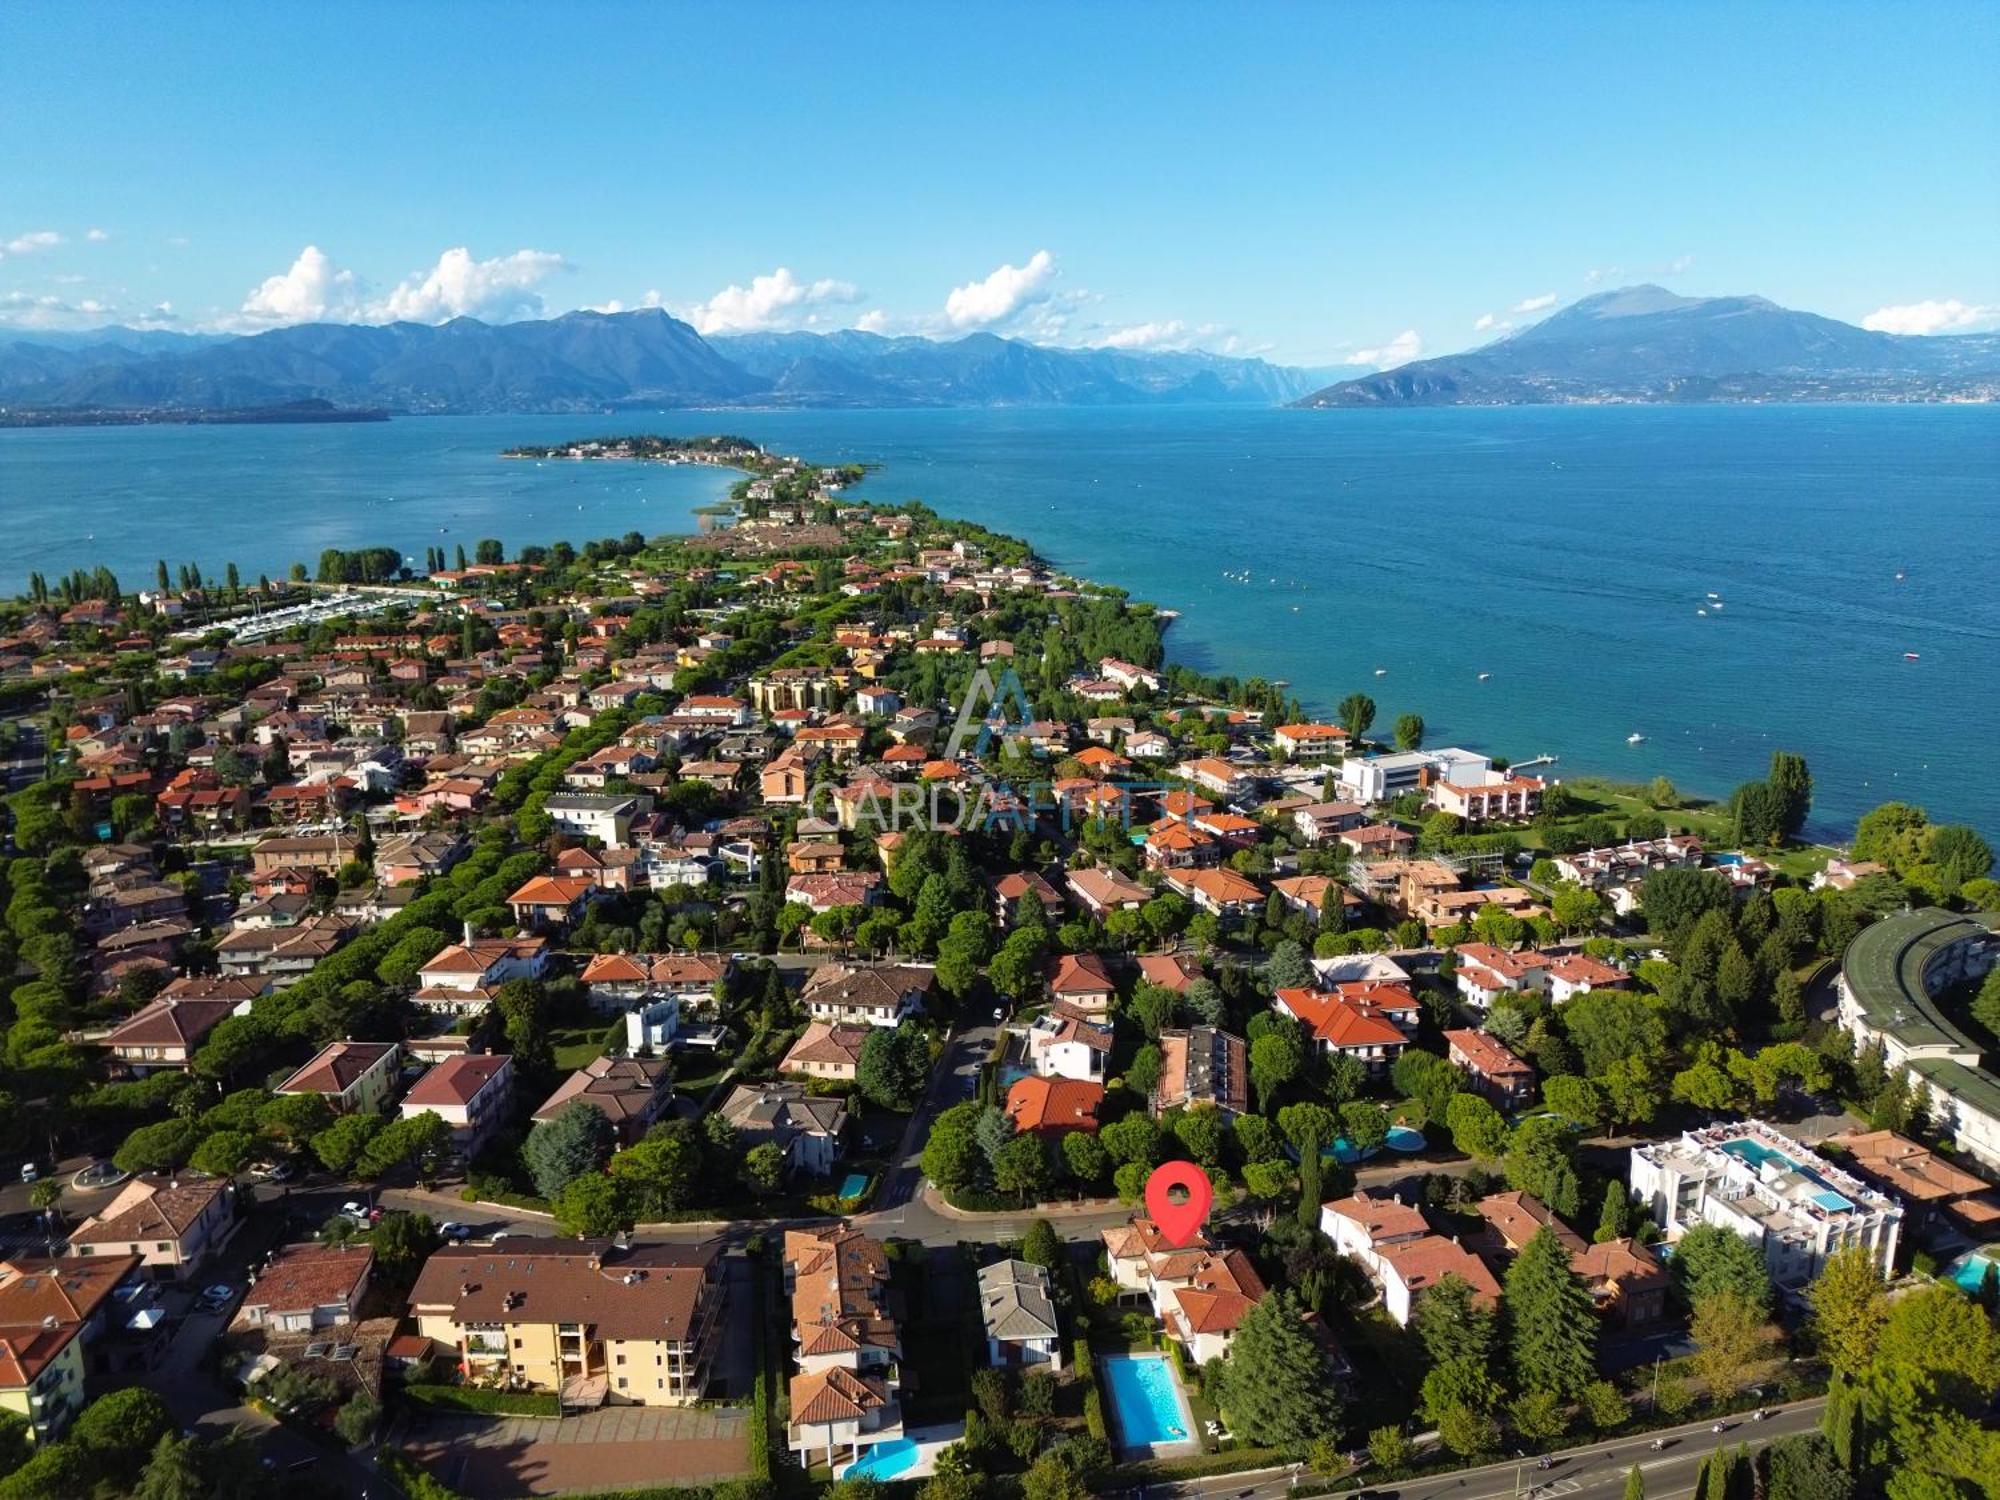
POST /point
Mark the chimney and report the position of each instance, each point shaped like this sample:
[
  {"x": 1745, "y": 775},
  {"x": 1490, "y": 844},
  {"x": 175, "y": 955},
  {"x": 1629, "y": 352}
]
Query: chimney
[{"x": 468, "y": 933}]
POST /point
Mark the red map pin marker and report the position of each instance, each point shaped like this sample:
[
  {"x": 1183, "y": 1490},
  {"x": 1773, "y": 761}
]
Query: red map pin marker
[{"x": 1177, "y": 1196}]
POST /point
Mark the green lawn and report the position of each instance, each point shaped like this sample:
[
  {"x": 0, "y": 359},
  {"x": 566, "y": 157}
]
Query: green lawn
[
  {"x": 1709, "y": 821},
  {"x": 576, "y": 1045}
]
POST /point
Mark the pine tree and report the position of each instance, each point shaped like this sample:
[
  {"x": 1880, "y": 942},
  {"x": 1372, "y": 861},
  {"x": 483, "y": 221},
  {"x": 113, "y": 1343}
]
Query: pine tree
[
  {"x": 1553, "y": 1328},
  {"x": 1613, "y": 1221},
  {"x": 1635, "y": 1484},
  {"x": 1275, "y": 1386}
]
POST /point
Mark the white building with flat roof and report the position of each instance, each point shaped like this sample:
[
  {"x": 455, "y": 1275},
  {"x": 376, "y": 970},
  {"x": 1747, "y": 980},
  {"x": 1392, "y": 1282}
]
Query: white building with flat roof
[
  {"x": 1748, "y": 1177},
  {"x": 1381, "y": 777}
]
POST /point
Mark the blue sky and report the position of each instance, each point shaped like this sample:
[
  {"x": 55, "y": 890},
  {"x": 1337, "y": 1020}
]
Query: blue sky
[{"x": 1322, "y": 184}]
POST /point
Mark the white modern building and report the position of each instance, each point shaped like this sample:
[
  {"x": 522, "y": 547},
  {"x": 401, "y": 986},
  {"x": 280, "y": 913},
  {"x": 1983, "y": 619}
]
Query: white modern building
[
  {"x": 1381, "y": 777},
  {"x": 1888, "y": 976},
  {"x": 1748, "y": 1177}
]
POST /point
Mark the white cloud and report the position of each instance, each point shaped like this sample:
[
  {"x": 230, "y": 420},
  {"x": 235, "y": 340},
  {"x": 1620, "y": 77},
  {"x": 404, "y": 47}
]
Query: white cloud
[
  {"x": 33, "y": 240},
  {"x": 1678, "y": 266},
  {"x": 1534, "y": 304},
  {"x": 779, "y": 300},
  {"x": 1170, "y": 334},
  {"x": 458, "y": 286},
  {"x": 314, "y": 290},
  {"x": 1400, "y": 350},
  {"x": 1934, "y": 315},
  {"x": 1003, "y": 295},
  {"x": 875, "y": 320},
  {"x": 1485, "y": 321},
  {"x": 651, "y": 299},
  {"x": 97, "y": 236}
]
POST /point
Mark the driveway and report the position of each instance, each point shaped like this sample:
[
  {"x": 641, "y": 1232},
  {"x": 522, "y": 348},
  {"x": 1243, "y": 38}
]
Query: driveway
[{"x": 615, "y": 1448}]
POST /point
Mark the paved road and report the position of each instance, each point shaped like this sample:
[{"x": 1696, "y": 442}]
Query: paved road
[{"x": 1596, "y": 1472}]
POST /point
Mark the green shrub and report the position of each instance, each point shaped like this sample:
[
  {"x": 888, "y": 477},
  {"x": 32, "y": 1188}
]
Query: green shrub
[{"x": 472, "y": 1398}]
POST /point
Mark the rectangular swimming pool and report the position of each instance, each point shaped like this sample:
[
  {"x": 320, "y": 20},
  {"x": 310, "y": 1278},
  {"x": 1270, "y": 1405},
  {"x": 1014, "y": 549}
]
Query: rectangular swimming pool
[{"x": 1146, "y": 1400}]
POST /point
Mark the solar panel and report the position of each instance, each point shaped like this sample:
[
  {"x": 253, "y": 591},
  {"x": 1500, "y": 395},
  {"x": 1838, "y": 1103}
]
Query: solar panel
[{"x": 316, "y": 1351}]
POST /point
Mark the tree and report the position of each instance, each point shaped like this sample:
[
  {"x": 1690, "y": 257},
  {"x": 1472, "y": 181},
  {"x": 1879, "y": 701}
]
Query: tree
[
  {"x": 577, "y": 1141},
  {"x": 1552, "y": 1328},
  {"x": 1134, "y": 1140},
  {"x": 1289, "y": 967},
  {"x": 340, "y": 1145},
  {"x": 1605, "y": 1405},
  {"x": 1960, "y": 855},
  {"x": 661, "y": 1171},
  {"x": 159, "y": 1147},
  {"x": 1849, "y": 1306},
  {"x": 1357, "y": 714},
  {"x": 1673, "y": 900},
  {"x": 1085, "y": 1159},
  {"x": 1577, "y": 1100},
  {"x": 1409, "y": 731},
  {"x": 1276, "y": 1387},
  {"x": 223, "y": 1154},
  {"x": 1365, "y": 1125},
  {"x": 292, "y": 1118},
  {"x": 1142, "y": 1074},
  {"x": 594, "y": 1205},
  {"x": 1389, "y": 1450},
  {"x": 1276, "y": 1058},
  {"x": 355, "y": 1421},
  {"x": 1732, "y": 1338},
  {"x": 1792, "y": 785},
  {"x": 1452, "y": 1324},
  {"x": 895, "y": 1066},
  {"x": 1468, "y": 1432},
  {"x": 1614, "y": 1220},
  {"x": 422, "y": 1139},
  {"x": 119, "y": 1430},
  {"x": 1538, "y": 1416},
  {"x": 1635, "y": 1484},
  {"x": 1428, "y": 1079},
  {"x": 1021, "y": 1166},
  {"x": 1476, "y": 1127},
  {"x": 1464, "y": 1383},
  {"x": 1710, "y": 1259},
  {"x": 1805, "y": 1468},
  {"x": 952, "y": 1158},
  {"x": 764, "y": 1168}
]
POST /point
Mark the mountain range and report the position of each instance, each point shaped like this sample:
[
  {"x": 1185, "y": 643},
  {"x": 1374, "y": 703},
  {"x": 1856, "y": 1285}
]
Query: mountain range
[
  {"x": 596, "y": 361},
  {"x": 1645, "y": 344},
  {"x": 1636, "y": 344}
]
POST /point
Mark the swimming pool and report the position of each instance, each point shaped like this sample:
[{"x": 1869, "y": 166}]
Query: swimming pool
[
  {"x": 883, "y": 1461},
  {"x": 1969, "y": 1270},
  {"x": 1403, "y": 1138},
  {"x": 1756, "y": 1153},
  {"x": 853, "y": 1185},
  {"x": 1145, "y": 1400}
]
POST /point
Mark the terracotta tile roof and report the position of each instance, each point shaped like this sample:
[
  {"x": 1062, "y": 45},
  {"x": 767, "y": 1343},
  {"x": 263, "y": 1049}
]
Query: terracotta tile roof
[
  {"x": 1054, "y": 1104},
  {"x": 1487, "y": 1056},
  {"x": 624, "y": 1088},
  {"x": 309, "y": 1275},
  {"x": 1173, "y": 971},
  {"x": 1423, "y": 1263},
  {"x": 1909, "y": 1169},
  {"x": 552, "y": 890},
  {"x": 1339, "y": 1022},
  {"x": 1082, "y": 974},
  {"x": 840, "y": 1288},
  {"x": 837, "y": 1044},
  {"x": 170, "y": 1023},
  {"x": 835, "y": 1395},
  {"x": 1223, "y": 1290},
  {"x": 337, "y": 1067},
  {"x": 35, "y": 1290},
  {"x": 147, "y": 1210},
  {"x": 457, "y": 1080},
  {"x": 1621, "y": 1263},
  {"x": 1519, "y": 1217},
  {"x": 650, "y": 1291},
  {"x": 1380, "y": 1216}
]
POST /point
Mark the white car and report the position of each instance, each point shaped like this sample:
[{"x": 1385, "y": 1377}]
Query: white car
[{"x": 355, "y": 1210}]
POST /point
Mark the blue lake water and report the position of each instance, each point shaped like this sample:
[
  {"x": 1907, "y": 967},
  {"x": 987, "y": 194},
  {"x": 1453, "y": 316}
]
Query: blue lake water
[{"x": 1565, "y": 551}]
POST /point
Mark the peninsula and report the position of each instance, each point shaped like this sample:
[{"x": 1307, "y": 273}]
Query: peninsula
[{"x": 735, "y": 989}]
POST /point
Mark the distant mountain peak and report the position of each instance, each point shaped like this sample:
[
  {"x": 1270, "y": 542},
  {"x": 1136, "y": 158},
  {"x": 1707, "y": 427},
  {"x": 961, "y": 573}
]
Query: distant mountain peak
[{"x": 1645, "y": 343}]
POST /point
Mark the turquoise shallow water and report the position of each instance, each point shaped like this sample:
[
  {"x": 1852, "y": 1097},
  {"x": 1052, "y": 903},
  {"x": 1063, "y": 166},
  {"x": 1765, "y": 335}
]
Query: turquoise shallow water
[{"x": 1565, "y": 551}]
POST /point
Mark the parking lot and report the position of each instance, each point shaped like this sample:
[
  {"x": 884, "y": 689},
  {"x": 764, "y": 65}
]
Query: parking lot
[{"x": 618, "y": 1447}]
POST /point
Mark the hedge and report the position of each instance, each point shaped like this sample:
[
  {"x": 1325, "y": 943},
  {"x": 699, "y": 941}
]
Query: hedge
[
  {"x": 473, "y": 1398},
  {"x": 411, "y": 1478}
]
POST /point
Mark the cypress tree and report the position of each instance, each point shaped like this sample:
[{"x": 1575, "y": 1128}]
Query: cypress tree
[{"x": 1553, "y": 1328}]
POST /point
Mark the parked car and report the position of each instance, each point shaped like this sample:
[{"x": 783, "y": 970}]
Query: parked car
[
  {"x": 30, "y": 1172},
  {"x": 458, "y": 1234}
]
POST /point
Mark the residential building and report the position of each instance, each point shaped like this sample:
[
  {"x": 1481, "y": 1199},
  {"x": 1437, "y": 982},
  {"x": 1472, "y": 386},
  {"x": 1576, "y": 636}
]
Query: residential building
[
  {"x": 1363, "y": 1021},
  {"x": 1935, "y": 1193},
  {"x": 1018, "y": 1308},
  {"x": 170, "y": 1226},
  {"x": 807, "y": 1128},
  {"x": 1053, "y": 1106},
  {"x": 353, "y": 1077},
  {"x": 606, "y": 817},
  {"x": 1492, "y": 1066},
  {"x": 308, "y": 1286},
  {"x": 1749, "y": 1177},
  {"x": 1065, "y": 1042},
  {"x": 589, "y": 1320},
  {"x": 1204, "y": 1314},
  {"x": 552, "y": 902},
  {"x": 630, "y": 1092},
  {"x": 166, "y": 1032},
  {"x": 828, "y": 1050},
  {"x": 470, "y": 1093},
  {"x": 1382, "y": 778},
  {"x": 460, "y": 980},
  {"x": 1889, "y": 978},
  {"x": 845, "y": 1342},
  {"x": 867, "y": 994},
  {"x": 1310, "y": 741},
  {"x": 1513, "y": 1219},
  {"x": 51, "y": 1311},
  {"x": 1083, "y": 983},
  {"x": 1203, "y": 1066},
  {"x": 1625, "y": 1279},
  {"x": 1367, "y": 1223},
  {"x": 1102, "y": 891},
  {"x": 1408, "y": 1270}
]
